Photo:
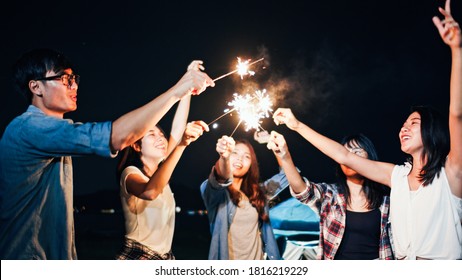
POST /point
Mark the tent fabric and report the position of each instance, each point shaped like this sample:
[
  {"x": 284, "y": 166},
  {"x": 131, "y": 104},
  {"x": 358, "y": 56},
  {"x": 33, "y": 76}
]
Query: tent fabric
[
  {"x": 294, "y": 216},
  {"x": 298, "y": 250},
  {"x": 295, "y": 225},
  {"x": 296, "y": 229}
]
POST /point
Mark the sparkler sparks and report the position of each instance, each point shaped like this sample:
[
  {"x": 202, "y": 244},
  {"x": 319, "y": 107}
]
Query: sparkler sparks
[
  {"x": 264, "y": 103},
  {"x": 250, "y": 108},
  {"x": 242, "y": 68}
]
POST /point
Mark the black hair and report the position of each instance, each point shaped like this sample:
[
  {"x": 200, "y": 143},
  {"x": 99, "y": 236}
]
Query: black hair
[
  {"x": 250, "y": 185},
  {"x": 34, "y": 65},
  {"x": 130, "y": 157},
  {"x": 374, "y": 191},
  {"x": 434, "y": 130}
]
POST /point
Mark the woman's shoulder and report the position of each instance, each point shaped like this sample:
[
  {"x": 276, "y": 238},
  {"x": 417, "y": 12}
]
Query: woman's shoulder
[
  {"x": 131, "y": 169},
  {"x": 401, "y": 170}
]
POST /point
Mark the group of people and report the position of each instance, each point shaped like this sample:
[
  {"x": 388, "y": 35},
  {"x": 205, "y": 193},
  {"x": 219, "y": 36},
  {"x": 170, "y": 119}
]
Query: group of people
[{"x": 375, "y": 210}]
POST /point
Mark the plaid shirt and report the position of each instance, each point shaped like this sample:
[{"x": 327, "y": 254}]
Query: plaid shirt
[
  {"x": 331, "y": 207},
  {"x": 133, "y": 250}
]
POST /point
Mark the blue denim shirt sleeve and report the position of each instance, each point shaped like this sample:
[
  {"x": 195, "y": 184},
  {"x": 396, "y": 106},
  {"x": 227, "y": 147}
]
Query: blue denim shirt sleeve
[
  {"x": 220, "y": 214},
  {"x": 50, "y": 136},
  {"x": 36, "y": 183},
  {"x": 213, "y": 192},
  {"x": 275, "y": 184}
]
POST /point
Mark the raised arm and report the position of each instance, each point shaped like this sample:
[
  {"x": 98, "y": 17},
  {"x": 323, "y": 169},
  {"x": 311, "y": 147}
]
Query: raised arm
[
  {"x": 133, "y": 125},
  {"x": 151, "y": 189},
  {"x": 181, "y": 115},
  {"x": 179, "y": 123},
  {"x": 374, "y": 170},
  {"x": 278, "y": 145},
  {"x": 225, "y": 146},
  {"x": 450, "y": 33}
]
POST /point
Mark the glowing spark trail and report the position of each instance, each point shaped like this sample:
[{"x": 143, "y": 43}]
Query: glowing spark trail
[
  {"x": 251, "y": 109},
  {"x": 264, "y": 103},
  {"x": 242, "y": 68}
]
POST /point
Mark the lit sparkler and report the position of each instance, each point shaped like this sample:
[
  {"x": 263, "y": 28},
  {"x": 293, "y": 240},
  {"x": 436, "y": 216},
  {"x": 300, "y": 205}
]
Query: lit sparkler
[
  {"x": 242, "y": 68},
  {"x": 251, "y": 109},
  {"x": 264, "y": 103}
]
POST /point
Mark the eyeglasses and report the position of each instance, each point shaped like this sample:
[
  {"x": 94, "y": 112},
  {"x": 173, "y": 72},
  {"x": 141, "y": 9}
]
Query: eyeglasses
[
  {"x": 357, "y": 151},
  {"x": 67, "y": 79}
]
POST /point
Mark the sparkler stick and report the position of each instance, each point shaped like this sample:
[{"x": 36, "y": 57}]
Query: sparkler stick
[
  {"x": 240, "y": 67},
  {"x": 261, "y": 127},
  {"x": 235, "y": 128},
  {"x": 221, "y": 116},
  {"x": 227, "y": 74}
]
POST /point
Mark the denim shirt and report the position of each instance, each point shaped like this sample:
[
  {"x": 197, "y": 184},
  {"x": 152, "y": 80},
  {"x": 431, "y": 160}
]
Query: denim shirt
[
  {"x": 221, "y": 211},
  {"x": 36, "y": 187}
]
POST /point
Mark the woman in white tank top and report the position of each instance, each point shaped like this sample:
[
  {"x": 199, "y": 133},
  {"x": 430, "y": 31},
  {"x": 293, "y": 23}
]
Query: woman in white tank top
[
  {"x": 144, "y": 172},
  {"x": 426, "y": 193}
]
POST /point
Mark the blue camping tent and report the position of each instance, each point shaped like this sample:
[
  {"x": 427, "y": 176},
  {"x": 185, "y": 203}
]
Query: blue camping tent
[
  {"x": 295, "y": 225},
  {"x": 296, "y": 229},
  {"x": 291, "y": 217}
]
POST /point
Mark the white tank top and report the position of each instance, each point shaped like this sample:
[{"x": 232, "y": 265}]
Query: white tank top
[
  {"x": 425, "y": 223},
  {"x": 149, "y": 222}
]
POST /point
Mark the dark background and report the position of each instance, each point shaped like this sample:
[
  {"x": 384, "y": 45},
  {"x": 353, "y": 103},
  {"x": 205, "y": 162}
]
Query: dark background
[{"x": 342, "y": 66}]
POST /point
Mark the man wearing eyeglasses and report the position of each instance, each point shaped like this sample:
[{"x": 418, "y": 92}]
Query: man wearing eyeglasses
[{"x": 36, "y": 187}]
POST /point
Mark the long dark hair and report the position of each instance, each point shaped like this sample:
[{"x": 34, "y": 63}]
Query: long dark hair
[
  {"x": 250, "y": 185},
  {"x": 434, "y": 129},
  {"x": 130, "y": 157},
  {"x": 374, "y": 191}
]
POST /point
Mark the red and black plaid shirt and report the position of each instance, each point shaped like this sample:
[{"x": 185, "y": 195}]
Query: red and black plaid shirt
[{"x": 331, "y": 208}]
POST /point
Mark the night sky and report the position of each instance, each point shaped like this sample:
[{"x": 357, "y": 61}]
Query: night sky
[{"x": 342, "y": 66}]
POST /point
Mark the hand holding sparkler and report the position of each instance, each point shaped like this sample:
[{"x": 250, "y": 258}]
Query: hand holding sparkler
[
  {"x": 278, "y": 145},
  {"x": 242, "y": 68},
  {"x": 261, "y": 137},
  {"x": 225, "y": 146},
  {"x": 194, "y": 81},
  {"x": 285, "y": 116},
  {"x": 196, "y": 65},
  {"x": 193, "y": 131}
]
